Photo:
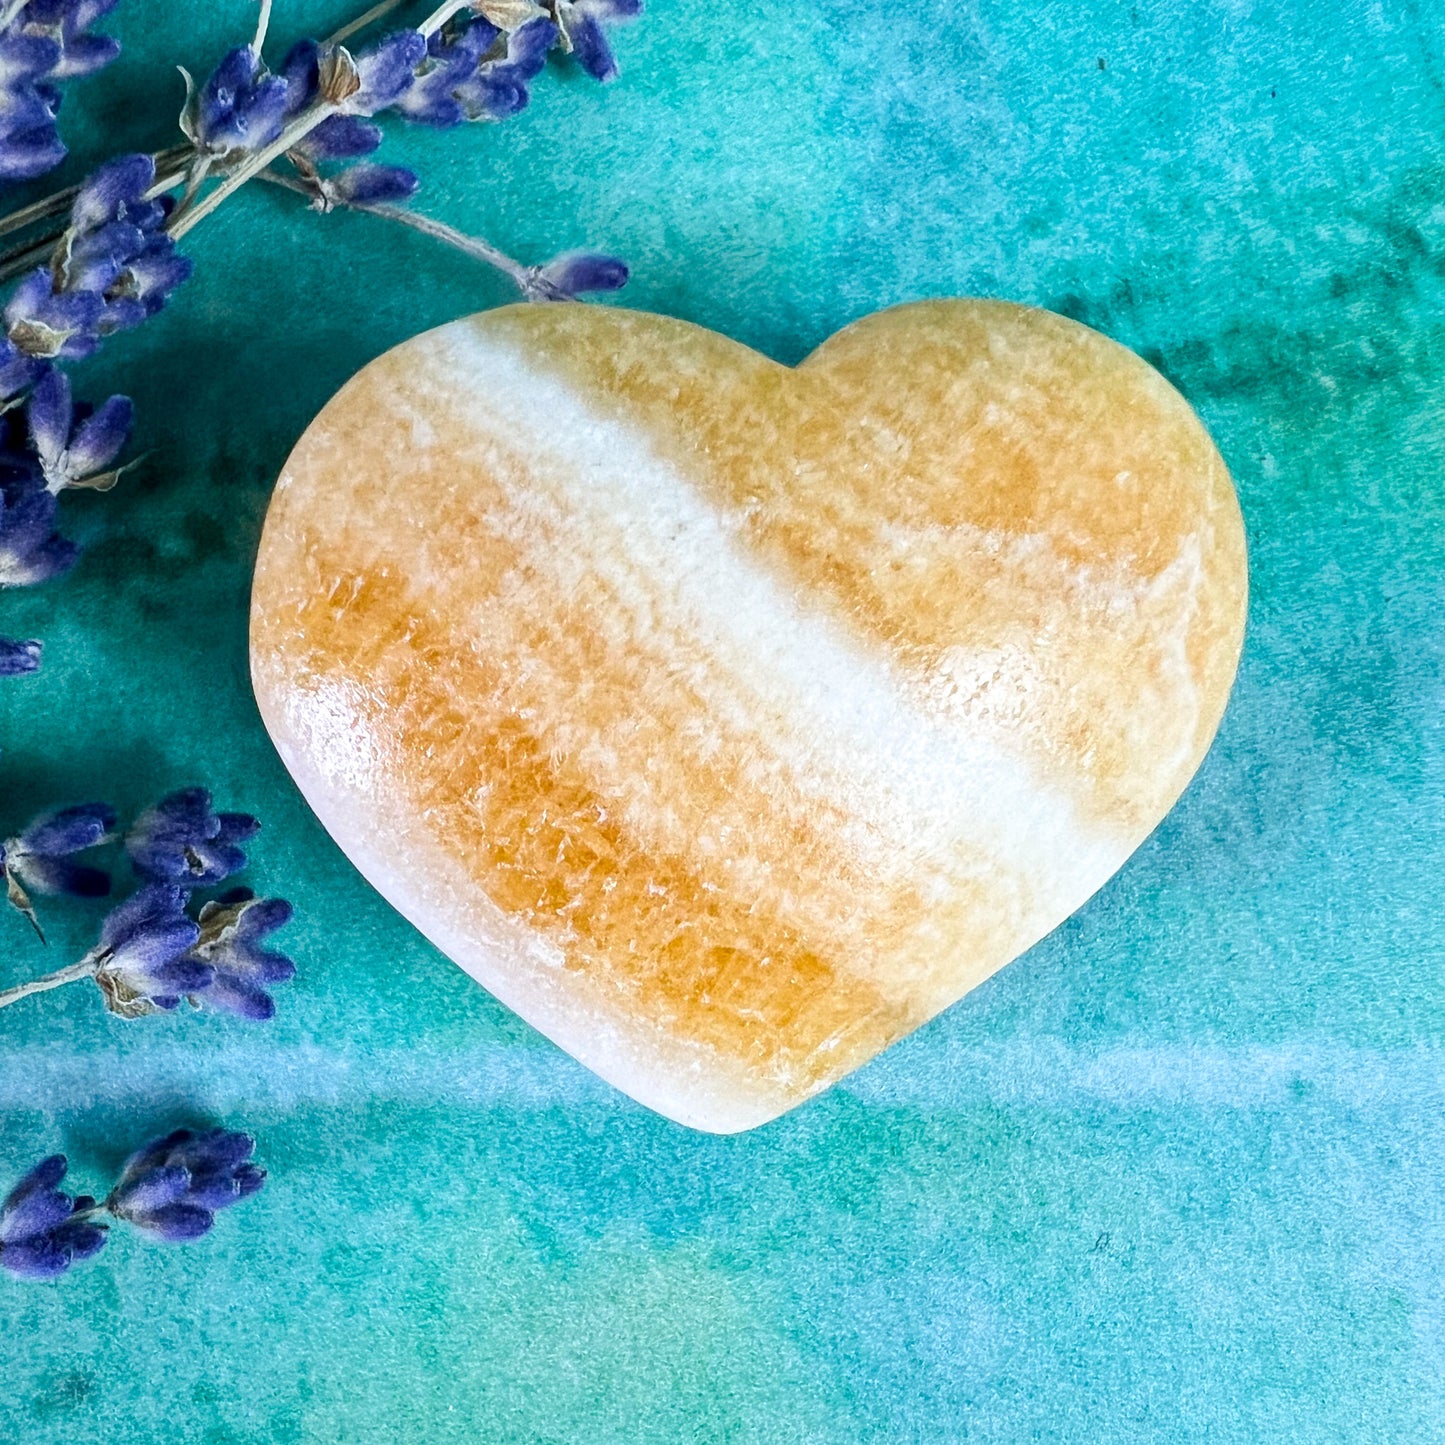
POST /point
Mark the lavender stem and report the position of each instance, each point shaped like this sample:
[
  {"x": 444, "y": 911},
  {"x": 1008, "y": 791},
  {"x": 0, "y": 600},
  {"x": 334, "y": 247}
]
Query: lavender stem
[
  {"x": 71, "y": 974},
  {"x": 470, "y": 245},
  {"x": 363, "y": 20}
]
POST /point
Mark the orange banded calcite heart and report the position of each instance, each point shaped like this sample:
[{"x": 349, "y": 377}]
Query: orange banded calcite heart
[{"x": 728, "y": 720}]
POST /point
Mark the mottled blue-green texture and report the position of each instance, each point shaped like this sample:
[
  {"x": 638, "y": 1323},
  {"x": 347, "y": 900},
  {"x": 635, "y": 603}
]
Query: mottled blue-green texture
[{"x": 1176, "y": 1175}]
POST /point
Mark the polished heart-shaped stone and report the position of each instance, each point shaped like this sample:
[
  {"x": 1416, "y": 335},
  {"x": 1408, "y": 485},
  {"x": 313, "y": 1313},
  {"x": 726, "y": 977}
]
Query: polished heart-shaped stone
[{"x": 728, "y": 720}]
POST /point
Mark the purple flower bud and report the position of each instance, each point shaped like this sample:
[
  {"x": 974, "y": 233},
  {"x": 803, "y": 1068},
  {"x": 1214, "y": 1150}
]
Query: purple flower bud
[
  {"x": 300, "y": 72},
  {"x": 241, "y": 106},
  {"x": 369, "y": 185},
  {"x": 40, "y": 860},
  {"x": 576, "y": 272},
  {"x": 142, "y": 951},
  {"x": 339, "y": 137},
  {"x": 43, "y": 42},
  {"x": 582, "y": 22},
  {"x": 233, "y": 928},
  {"x": 111, "y": 192},
  {"x": 69, "y": 830},
  {"x": 385, "y": 72}
]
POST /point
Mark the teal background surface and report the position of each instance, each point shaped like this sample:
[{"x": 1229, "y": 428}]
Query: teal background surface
[{"x": 1176, "y": 1175}]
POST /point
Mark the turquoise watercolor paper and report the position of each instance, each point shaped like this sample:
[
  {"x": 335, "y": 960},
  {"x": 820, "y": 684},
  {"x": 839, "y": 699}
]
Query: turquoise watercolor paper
[{"x": 1174, "y": 1176}]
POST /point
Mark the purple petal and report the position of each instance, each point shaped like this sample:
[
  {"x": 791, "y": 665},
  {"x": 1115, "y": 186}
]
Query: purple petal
[
  {"x": 156, "y": 1151},
  {"x": 80, "y": 1239},
  {"x": 386, "y": 71},
  {"x": 18, "y": 658},
  {"x": 22, "y": 110},
  {"x": 175, "y": 1223},
  {"x": 84, "y": 13},
  {"x": 17, "y": 370},
  {"x": 34, "y": 1203},
  {"x": 85, "y": 54},
  {"x": 219, "y": 1149},
  {"x": 43, "y": 1258},
  {"x": 33, "y": 1209},
  {"x": 154, "y": 904},
  {"x": 52, "y": 558},
  {"x": 221, "y": 1191},
  {"x": 527, "y": 47},
  {"x": 49, "y": 412},
  {"x": 31, "y": 293},
  {"x": 69, "y": 830},
  {"x": 26, "y": 518},
  {"x": 30, "y": 153},
  {"x": 183, "y": 814},
  {"x": 44, "y": 1175},
  {"x": 589, "y": 45},
  {"x": 23, "y": 57},
  {"x": 99, "y": 439},
  {"x": 59, "y": 875},
  {"x": 152, "y": 962},
  {"x": 301, "y": 70},
  {"x": 339, "y": 137},
  {"x": 580, "y": 271},
  {"x": 236, "y": 996},
  {"x": 492, "y": 95},
  {"x": 178, "y": 977},
  {"x": 106, "y": 190},
  {"x": 235, "y": 827},
  {"x": 151, "y": 1190},
  {"x": 368, "y": 185},
  {"x": 157, "y": 271},
  {"x": 29, "y": 551},
  {"x": 263, "y": 916}
]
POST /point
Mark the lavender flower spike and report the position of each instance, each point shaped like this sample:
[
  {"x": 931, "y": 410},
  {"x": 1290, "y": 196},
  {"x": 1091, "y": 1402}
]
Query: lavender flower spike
[
  {"x": 174, "y": 1187},
  {"x": 40, "y": 859},
  {"x": 232, "y": 930},
  {"x": 114, "y": 267},
  {"x": 44, "y": 1231},
  {"x": 141, "y": 961},
  {"x": 239, "y": 108},
  {"x": 18, "y": 658},
  {"x": 181, "y": 840}
]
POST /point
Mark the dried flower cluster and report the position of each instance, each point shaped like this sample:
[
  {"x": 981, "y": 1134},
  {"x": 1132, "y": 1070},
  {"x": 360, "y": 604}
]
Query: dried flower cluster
[
  {"x": 102, "y": 258},
  {"x": 170, "y": 1189},
  {"x": 99, "y": 259},
  {"x": 153, "y": 950}
]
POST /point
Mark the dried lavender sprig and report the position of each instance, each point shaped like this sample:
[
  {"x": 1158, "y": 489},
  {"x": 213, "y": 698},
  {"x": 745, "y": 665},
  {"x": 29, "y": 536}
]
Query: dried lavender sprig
[
  {"x": 110, "y": 269},
  {"x": 152, "y": 954},
  {"x": 170, "y": 1189}
]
